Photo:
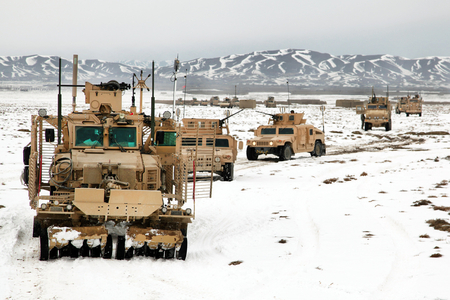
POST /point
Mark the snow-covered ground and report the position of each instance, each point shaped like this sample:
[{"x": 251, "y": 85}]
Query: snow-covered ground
[{"x": 341, "y": 226}]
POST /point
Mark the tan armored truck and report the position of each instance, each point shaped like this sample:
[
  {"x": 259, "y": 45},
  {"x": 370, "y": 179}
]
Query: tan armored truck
[
  {"x": 287, "y": 135},
  {"x": 210, "y": 142},
  {"x": 375, "y": 113},
  {"x": 105, "y": 189},
  {"x": 270, "y": 102},
  {"x": 410, "y": 105}
]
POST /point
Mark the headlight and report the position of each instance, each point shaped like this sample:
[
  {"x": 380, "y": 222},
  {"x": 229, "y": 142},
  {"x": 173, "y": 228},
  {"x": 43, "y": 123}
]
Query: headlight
[
  {"x": 56, "y": 202},
  {"x": 270, "y": 143},
  {"x": 164, "y": 210},
  {"x": 188, "y": 211},
  {"x": 69, "y": 207},
  {"x": 217, "y": 159},
  {"x": 44, "y": 206},
  {"x": 254, "y": 143}
]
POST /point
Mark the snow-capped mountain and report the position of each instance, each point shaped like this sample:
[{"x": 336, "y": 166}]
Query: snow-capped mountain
[{"x": 303, "y": 68}]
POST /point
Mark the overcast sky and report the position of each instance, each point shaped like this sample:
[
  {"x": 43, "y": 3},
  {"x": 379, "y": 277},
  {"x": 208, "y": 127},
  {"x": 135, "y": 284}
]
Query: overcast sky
[{"x": 159, "y": 30}]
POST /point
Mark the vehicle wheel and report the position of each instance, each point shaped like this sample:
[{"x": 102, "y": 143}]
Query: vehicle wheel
[
  {"x": 120, "y": 252},
  {"x": 44, "y": 244},
  {"x": 317, "y": 148},
  {"x": 251, "y": 153},
  {"x": 388, "y": 126},
  {"x": 420, "y": 114},
  {"x": 366, "y": 126},
  {"x": 228, "y": 172},
  {"x": 108, "y": 247},
  {"x": 36, "y": 228},
  {"x": 286, "y": 152},
  {"x": 181, "y": 255},
  {"x": 407, "y": 115}
]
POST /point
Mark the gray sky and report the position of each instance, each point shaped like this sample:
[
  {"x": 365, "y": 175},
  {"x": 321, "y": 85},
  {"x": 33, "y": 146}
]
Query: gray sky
[{"x": 159, "y": 30}]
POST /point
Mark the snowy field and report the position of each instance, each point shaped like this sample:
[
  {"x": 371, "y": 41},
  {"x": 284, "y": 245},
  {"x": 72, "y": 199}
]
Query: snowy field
[{"x": 348, "y": 225}]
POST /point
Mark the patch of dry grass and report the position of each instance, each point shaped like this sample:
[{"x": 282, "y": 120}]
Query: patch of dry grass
[
  {"x": 330, "y": 181},
  {"x": 421, "y": 202},
  {"x": 439, "y": 224}
]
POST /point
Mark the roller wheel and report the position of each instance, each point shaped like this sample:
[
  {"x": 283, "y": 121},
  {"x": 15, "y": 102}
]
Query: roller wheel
[
  {"x": 96, "y": 251},
  {"x": 44, "y": 244},
  {"x": 108, "y": 247},
  {"x": 120, "y": 251},
  {"x": 251, "y": 153},
  {"x": 85, "y": 250},
  {"x": 169, "y": 253},
  {"x": 129, "y": 253},
  {"x": 286, "y": 152},
  {"x": 36, "y": 228},
  {"x": 183, "y": 250}
]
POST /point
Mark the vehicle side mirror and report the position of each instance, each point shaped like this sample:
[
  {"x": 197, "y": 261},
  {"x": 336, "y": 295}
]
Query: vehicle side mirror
[{"x": 49, "y": 135}]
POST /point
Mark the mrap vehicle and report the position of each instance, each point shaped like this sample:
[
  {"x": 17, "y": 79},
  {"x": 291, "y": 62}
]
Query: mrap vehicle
[
  {"x": 106, "y": 189},
  {"x": 287, "y": 135},
  {"x": 209, "y": 143},
  {"x": 410, "y": 105},
  {"x": 376, "y": 113}
]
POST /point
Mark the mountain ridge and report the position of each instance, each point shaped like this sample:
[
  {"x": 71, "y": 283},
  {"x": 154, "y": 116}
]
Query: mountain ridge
[{"x": 268, "y": 68}]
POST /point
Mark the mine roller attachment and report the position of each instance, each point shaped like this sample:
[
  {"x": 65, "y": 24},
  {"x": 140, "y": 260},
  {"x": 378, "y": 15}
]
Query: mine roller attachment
[
  {"x": 156, "y": 243},
  {"x": 89, "y": 241}
]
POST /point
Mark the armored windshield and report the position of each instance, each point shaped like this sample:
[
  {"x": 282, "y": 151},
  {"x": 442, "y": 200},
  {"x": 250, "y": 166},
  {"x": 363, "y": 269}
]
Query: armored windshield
[
  {"x": 221, "y": 143},
  {"x": 122, "y": 137},
  {"x": 88, "y": 136},
  {"x": 268, "y": 130},
  {"x": 166, "y": 138},
  {"x": 285, "y": 130}
]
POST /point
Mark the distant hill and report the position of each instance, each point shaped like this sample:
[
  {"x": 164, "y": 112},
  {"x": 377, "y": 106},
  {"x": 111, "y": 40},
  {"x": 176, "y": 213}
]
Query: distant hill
[{"x": 261, "y": 70}]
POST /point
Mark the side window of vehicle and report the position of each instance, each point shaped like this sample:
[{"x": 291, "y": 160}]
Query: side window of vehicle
[{"x": 310, "y": 132}]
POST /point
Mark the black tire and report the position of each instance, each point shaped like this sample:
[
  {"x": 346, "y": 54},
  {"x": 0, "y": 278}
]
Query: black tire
[
  {"x": 181, "y": 255},
  {"x": 120, "y": 252},
  {"x": 85, "y": 250},
  {"x": 228, "y": 172},
  {"x": 286, "y": 152},
  {"x": 108, "y": 248},
  {"x": 169, "y": 253},
  {"x": 366, "y": 126},
  {"x": 317, "y": 149},
  {"x": 251, "y": 153},
  {"x": 388, "y": 126},
  {"x": 407, "y": 115},
  {"x": 44, "y": 244},
  {"x": 420, "y": 114},
  {"x": 36, "y": 228}
]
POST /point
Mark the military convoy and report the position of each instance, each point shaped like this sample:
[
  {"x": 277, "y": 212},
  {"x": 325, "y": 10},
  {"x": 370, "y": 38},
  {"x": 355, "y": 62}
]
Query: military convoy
[
  {"x": 409, "y": 105},
  {"x": 287, "y": 135},
  {"x": 375, "y": 113},
  {"x": 115, "y": 183}
]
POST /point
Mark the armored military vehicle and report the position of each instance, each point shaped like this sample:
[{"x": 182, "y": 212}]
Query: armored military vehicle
[
  {"x": 270, "y": 102},
  {"x": 287, "y": 135},
  {"x": 107, "y": 188},
  {"x": 401, "y": 105},
  {"x": 375, "y": 113},
  {"x": 410, "y": 105},
  {"x": 210, "y": 142}
]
